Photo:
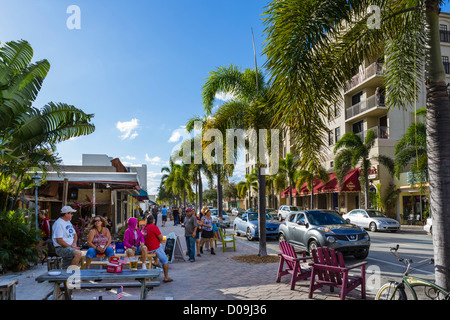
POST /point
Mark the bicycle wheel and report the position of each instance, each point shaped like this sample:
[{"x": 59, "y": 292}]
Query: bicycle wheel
[{"x": 391, "y": 291}]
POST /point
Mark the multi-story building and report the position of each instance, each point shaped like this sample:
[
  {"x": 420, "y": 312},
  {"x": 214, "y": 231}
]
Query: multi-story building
[{"x": 363, "y": 108}]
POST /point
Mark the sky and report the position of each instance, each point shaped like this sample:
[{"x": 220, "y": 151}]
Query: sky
[{"x": 138, "y": 65}]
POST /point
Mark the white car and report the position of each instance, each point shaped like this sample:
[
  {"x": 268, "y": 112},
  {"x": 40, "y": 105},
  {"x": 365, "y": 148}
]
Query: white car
[
  {"x": 372, "y": 219},
  {"x": 236, "y": 211},
  {"x": 429, "y": 226},
  {"x": 224, "y": 222},
  {"x": 284, "y": 211}
]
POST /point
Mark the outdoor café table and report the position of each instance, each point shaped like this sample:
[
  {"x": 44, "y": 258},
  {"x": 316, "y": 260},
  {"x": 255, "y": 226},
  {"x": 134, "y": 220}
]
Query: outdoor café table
[{"x": 142, "y": 275}]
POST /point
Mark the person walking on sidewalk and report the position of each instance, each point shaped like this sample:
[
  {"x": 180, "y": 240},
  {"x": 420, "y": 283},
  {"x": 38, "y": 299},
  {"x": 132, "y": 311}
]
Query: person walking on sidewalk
[
  {"x": 155, "y": 214},
  {"x": 190, "y": 231},
  {"x": 176, "y": 215},
  {"x": 163, "y": 216},
  {"x": 207, "y": 230}
]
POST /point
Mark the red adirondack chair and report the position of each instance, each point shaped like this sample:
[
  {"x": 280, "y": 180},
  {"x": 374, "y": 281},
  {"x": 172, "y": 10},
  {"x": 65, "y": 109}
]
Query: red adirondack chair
[
  {"x": 330, "y": 270},
  {"x": 289, "y": 256}
]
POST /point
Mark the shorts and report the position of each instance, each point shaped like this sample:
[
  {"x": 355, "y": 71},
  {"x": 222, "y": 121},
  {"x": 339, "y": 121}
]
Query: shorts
[
  {"x": 65, "y": 252},
  {"x": 130, "y": 251},
  {"x": 164, "y": 218},
  {"x": 207, "y": 234},
  {"x": 161, "y": 255},
  {"x": 91, "y": 253}
]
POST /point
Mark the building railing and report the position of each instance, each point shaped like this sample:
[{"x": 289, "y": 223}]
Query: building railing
[
  {"x": 375, "y": 101},
  {"x": 381, "y": 132},
  {"x": 375, "y": 68}
]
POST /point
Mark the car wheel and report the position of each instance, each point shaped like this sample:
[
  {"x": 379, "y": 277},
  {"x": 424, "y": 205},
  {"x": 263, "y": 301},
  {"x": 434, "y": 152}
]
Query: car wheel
[
  {"x": 236, "y": 231},
  {"x": 373, "y": 227},
  {"x": 281, "y": 237},
  {"x": 312, "y": 246},
  {"x": 362, "y": 254},
  {"x": 249, "y": 234}
]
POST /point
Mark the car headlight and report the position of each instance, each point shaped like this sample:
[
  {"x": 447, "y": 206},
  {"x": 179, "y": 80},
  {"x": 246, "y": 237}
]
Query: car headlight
[{"x": 331, "y": 239}]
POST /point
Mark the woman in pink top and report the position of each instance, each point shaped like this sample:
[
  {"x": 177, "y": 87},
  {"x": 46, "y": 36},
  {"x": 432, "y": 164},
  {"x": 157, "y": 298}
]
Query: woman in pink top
[{"x": 134, "y": 241}]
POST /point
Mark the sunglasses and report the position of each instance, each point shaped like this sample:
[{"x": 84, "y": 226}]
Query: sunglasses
[{"x": 97, "y": 221}]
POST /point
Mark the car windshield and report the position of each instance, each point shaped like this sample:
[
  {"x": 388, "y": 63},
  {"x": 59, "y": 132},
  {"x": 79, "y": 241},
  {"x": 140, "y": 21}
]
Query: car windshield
[
  {"x": 321, "y": 218},
  {"x": 254, "y": 216},
  {"x": 375, "y": 214},
  {"x": 294, "y": 209},
  {"x": 214, "y": 212}
]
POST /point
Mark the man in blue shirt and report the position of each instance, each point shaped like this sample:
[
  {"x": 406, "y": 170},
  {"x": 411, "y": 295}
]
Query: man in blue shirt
[{"x": 164, "y": 216}]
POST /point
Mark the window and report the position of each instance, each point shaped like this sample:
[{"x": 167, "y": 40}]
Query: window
[
  {"x": 330, "y": 138},
  {"x": 337, "y": 134},
  {"x": 301, "y": 218},
  {"x": 446, "y": 63},
  {"x": 357, "y": 98}
]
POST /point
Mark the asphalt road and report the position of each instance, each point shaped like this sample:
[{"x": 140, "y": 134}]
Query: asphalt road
[{"x": 382, "y": 265}]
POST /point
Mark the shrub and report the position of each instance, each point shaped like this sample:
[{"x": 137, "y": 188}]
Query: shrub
[{"x": 18, "y": 241}]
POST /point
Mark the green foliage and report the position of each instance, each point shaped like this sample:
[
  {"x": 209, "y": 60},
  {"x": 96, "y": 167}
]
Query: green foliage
[{"x": 18, "y": 241}]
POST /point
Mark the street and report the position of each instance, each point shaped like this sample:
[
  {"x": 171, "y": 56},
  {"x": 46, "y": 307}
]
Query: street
[{"x": 382, "y": 265}]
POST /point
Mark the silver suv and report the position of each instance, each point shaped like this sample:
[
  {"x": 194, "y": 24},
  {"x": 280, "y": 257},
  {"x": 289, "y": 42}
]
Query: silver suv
[
  {"x": 284, "y": 211},
  {"x": 308, "y": 230}
]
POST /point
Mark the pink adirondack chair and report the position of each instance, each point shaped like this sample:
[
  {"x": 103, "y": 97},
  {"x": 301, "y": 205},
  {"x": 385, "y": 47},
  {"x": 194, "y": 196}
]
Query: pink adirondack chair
[
  {"x": 289, "y": 256},
  {"x": 330, "y": 270}
]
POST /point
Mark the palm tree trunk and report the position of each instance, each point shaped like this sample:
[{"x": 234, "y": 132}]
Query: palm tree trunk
[
  {"x": 200, "y": 191},
  {"x": 219, "y": 192},
  {"x": 438, "y": 147},
  {"x": 262, "y": 213}
]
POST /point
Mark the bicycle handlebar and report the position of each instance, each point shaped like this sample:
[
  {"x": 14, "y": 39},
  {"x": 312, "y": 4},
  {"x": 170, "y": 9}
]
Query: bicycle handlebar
[{"x": 409, "y": 262}]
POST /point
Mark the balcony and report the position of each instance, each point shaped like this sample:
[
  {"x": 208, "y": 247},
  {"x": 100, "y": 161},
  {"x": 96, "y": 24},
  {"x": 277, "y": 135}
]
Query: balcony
[
  {"x": 373, "y": 106},
  {"x": 380, "y": 133},
  {"x": 369, "y": 74}
]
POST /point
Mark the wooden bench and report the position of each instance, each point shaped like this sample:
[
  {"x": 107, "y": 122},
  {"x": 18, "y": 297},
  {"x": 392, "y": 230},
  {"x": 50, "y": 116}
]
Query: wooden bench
[
  {"x": 104, "y": 263},
  {"x": 8, "y": 289},
  {"x": 146, "y": 280},
  {"x": 225, "y": 239}
]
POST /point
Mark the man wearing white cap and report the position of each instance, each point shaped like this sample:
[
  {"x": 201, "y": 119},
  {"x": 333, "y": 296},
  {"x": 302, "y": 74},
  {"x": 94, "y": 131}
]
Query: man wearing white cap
[{"x": 65, "y": 238}]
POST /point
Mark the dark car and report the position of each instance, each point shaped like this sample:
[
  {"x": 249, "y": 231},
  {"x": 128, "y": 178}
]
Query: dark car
[{"x": 308, "y": 230}]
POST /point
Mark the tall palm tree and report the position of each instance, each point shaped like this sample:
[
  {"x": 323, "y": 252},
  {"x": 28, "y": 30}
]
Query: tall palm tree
[
  {"x": 248, "y": 109},
  {"x": 312, "y": 47},
  {"x": 28, "y": 135},
  {"x": 411, "y": 149},
  {"x": 288, "y": 168},
  {"x": 350, "y": 151},
  {"x": 309, "y": 175},
  {"x": 250, "y": 184}
]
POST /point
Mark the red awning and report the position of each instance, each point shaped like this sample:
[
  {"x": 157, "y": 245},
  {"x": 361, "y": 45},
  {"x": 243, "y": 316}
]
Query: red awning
[
  {"x": 350, "y": 184},
  {"x": 285, "y": 193}
]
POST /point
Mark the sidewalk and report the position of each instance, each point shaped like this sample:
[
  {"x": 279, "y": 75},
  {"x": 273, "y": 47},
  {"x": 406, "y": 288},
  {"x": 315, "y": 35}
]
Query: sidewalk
[{"x": 210, "y": 277}]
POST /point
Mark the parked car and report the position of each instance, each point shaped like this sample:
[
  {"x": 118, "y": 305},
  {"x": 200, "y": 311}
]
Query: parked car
[
  {"x": 284, "y": 211},
  {"x": 236, "y": 211},
  {"x": 308, "y": 230},
  {"x": 372, "y": 219},
  {"x": 224, "y": 222},
  {"x": 247, "y": 223},
  {"x": 428, "y": 227}
]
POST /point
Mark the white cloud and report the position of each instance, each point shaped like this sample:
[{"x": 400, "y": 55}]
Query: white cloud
[
  {"x": 179, "y": 133},
  {"x": 153, "y": 181},
  {"x": 224, "y": 96},
  {"x": 156, "y": 161},
  {"x": 128, "y": 128},
  {"x": 127, "y": 157}
]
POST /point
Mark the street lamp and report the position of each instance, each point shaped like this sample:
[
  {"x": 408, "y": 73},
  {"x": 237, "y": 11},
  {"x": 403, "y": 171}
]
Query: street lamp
[{"x": 37, "y": 183}]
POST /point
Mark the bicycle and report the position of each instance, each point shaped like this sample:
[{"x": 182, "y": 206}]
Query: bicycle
[{"x": 394, "y": 290}]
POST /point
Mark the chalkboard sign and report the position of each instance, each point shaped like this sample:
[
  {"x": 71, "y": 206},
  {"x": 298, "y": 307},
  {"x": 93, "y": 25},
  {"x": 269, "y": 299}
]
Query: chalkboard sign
[
  {"x": 173, "y": 247},
  {"x": 170, "y": 248}
]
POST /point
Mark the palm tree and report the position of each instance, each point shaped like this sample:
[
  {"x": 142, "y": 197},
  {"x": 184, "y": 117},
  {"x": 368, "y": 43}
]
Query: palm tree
[
  {"x": 412, "y": 149},
  {"x": 250, "y": 184},
  {"x": 313, "y": 46},
  {"x": 309, "y": 175},
  {"x": 288, "y": 168},
  {"x": 28, "y": 135},
  {"x": 248, "y": 109},
  {"x": 351, "y": 151}
]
